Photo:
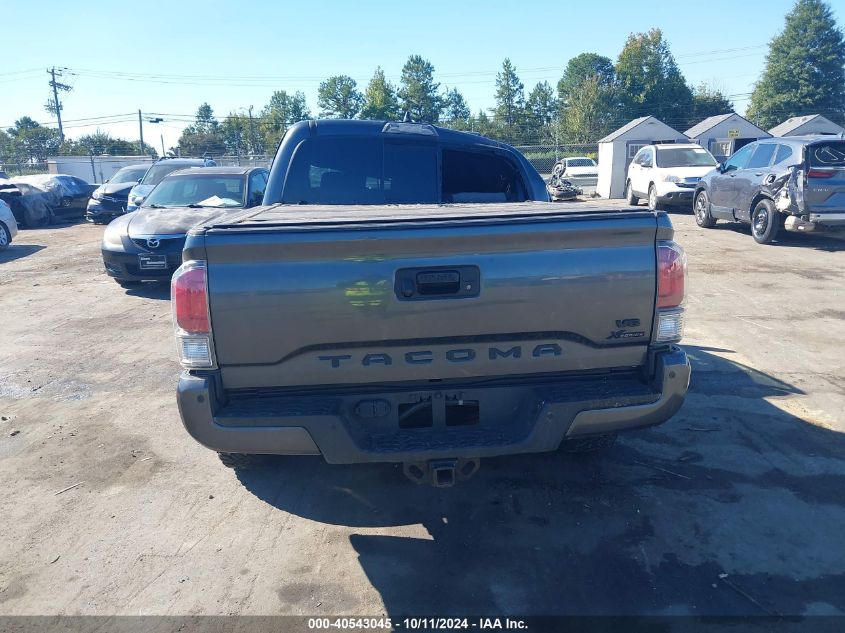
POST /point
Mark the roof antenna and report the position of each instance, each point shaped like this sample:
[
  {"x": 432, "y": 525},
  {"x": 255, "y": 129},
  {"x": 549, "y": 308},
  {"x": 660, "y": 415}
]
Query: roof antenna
[{"x": 407, "y": 118}]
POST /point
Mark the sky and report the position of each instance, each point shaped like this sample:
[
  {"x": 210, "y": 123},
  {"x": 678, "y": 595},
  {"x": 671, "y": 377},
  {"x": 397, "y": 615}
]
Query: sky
[{"x": 166, "y": 58}]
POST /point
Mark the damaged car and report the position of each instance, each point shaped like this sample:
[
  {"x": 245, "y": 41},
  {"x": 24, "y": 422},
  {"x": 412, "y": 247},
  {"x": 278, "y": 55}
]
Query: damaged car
[
  {"x": 581, "y": 172},
  {"x": 64, "y": 197},
  {"x": 792, "y": 183}
]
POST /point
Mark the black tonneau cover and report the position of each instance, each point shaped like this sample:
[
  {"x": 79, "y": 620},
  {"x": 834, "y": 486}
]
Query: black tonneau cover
[{"x": 293, "y": 216}]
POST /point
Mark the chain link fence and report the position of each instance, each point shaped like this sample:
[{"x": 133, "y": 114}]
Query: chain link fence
[{"x": 542, "y": 157}]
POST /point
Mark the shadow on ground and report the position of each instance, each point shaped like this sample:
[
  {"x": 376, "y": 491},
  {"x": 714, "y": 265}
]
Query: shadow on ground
[
  {"x": 732, "y": 485},
  {"x": 17, "y": 251},
  {"x": 151, "y": 290},
  {"x": 829, "y": 242}
]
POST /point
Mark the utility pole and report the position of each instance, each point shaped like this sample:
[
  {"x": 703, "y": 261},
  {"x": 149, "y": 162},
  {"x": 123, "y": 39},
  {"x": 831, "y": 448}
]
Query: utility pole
[
  {"x": 163, "y": 153},
  {"x": 251, "y": 133},
  {"x": 55, "y": 106},
  {"x": 141, "y": 131}
]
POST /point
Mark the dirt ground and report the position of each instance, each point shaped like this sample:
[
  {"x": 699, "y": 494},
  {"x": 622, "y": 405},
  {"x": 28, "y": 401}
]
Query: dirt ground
[{"x": 736, "y": 506}]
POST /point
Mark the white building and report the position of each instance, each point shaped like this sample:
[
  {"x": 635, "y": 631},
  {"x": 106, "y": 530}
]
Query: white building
[
  {"x": 92, "y": 169},
  {"x": 723, "y": 134},
  {"x": 617, "y": 149},
  {"x": 810, "y": 124}
]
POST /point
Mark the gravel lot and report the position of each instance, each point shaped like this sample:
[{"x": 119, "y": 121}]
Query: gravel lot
[{"x": 736, "y": 506}]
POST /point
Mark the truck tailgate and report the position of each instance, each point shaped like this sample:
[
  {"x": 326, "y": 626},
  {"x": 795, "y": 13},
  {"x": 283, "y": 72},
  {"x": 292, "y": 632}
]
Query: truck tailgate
[{"x": 316, "y": 304}]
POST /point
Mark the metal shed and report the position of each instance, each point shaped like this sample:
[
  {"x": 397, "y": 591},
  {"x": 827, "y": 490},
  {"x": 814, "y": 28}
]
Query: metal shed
[
  {"x": 617, "y": 149},
  {"x": 723, "y": 134},
  {"x": 809, "y": 124}
]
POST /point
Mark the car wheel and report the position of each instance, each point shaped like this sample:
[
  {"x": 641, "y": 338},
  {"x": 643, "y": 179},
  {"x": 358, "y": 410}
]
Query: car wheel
[
  {"x": 653, "y": 204},
  {"x": 702, "y": 211},
  {"x": 630, "y": 198},
  {"x": 5, "y": 237},
  {"x": 128, "y": 283},
  {"x": 764, "y": 222},
  {"x": 589, "y": 444},
  {"x": 241, "y": 461}
]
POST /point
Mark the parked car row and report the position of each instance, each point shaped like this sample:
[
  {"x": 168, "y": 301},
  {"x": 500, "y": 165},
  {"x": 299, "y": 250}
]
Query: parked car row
[
  {"x": 793, "y": 183},
  {"x": 146, "y": 245}
]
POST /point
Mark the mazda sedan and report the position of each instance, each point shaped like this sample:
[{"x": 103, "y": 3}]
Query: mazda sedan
[{"x": 147, "y": 245}]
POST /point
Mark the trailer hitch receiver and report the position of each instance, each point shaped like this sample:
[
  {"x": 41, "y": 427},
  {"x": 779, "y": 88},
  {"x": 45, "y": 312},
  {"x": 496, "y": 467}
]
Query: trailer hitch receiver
[{"x": 441, "y": 473}]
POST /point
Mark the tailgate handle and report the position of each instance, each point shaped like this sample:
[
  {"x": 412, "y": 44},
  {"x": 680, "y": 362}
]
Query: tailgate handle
[
  {"x": 454, "y": 282},
  {"x": 438, "y": 282}
]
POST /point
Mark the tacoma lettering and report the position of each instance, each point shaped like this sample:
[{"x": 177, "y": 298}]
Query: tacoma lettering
[{"x": 458, "y": 355}]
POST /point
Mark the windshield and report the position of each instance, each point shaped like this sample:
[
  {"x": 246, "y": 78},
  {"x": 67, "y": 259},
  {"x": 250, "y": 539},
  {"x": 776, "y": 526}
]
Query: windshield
[
  {"x": 128, "y": 174},
  {"x": 196, "y": 190},
  {"x": 684, "y": 157},
  {"x": 580, "y": 162},
  {"x": 156, "y": 173}
]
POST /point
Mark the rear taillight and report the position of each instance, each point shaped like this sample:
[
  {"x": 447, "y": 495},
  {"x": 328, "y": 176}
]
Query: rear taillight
[
  {"x": 189, "y": 301},
  {"x": 671, "y": 274},
  {"x": 820, "y": 173},
  {"x": 671, "y": 283}
]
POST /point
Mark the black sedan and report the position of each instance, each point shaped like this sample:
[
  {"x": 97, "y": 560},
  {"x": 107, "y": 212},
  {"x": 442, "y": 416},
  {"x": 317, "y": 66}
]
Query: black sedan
[
  {"x": 109, "y": 199},
  {"x": 146, "y": 245}
]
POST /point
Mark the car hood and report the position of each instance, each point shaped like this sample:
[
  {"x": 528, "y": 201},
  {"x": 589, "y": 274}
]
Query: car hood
[
  {"x": 581, "y": 171},
  {"x": 172, "y": 221},
  {"x": 115, "y": 189}
]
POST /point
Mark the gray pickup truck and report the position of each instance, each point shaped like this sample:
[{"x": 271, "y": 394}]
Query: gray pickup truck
[{"x": 408, "y": 294}]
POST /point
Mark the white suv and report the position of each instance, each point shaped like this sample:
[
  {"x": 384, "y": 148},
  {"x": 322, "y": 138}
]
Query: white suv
[{"x": 667, "y": 174}]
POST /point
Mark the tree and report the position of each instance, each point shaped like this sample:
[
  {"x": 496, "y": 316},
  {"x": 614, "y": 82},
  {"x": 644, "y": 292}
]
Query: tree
[
  {"x": 709, "y": 101},
  {"x": 279, "y": 114},
  {"x": 380, "y": 101},
  {"x": 510, "y": 99},
  {"x": 32, "y": 142},
  {"x": 540, "y": 111},
  {"x": 580, "y": 68},
  {"x": 339, "y": 98},
  {"x": 805, "y": 69},
  {"x": 650, "y": 82},
  {"x": 589, "y": 113},
  {"x": 102, "y": 144},
  {"x": 418, "y": 90},
  {"x": 203, "y": 137},
  {"x": 235, "y": 131},
  {"x": 455, "y": 109}
]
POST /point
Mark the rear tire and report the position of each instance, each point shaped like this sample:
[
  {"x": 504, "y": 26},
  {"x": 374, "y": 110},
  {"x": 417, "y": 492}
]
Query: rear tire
[
  {"x": 589, "y": 445},
  {"x": 630, "y": 198},
  {"x": 701, "y": 209},
  {"x": 5, "y": 237},
  {"x": 653, "y": 203},
  {"x": 765, "y": 222},
  {"x": 240, "y": 461}
]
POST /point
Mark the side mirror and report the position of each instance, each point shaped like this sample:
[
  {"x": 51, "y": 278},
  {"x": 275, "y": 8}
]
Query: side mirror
[
  {"x": 139, "y": 180},
  {"x": 106, "y": 181}
]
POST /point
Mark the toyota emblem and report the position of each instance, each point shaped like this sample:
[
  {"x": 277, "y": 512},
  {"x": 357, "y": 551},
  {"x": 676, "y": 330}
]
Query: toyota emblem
[{"x": 153, "y": 242}]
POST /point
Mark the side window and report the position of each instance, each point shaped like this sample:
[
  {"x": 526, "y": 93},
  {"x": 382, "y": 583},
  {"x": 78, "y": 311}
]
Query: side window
[
  {"x": 410, "y": 173},
  {"x": 648, "y": 158},
  {"x": 740, "y": 157},
  {"x": 783, "y": 154},
  {"x": 257, "y": 185},
  {"x": 762, "y": 156},
  {"x": 476, "y": 176},
  {"x": 634, "y": 148},
  {"x": 333, "y": 170}
]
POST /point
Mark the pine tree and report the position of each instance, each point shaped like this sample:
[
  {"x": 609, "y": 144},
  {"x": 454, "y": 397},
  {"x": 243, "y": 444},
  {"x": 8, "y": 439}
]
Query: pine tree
[
  {"x": 805, "y": 69},
  {"x": 455, "y": 109},
  {"x": 418, "y": 90},
  {"x": 339, "y": 98},
  {"x": 380, "y": 102},
  {"x": 510, "y": 99},
  {"x": 650, "y": 82}
]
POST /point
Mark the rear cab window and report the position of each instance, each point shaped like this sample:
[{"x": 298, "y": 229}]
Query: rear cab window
[{"x": 377, "y": 170}]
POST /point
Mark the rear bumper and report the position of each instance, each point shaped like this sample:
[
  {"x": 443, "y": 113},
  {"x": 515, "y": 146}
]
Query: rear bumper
[
  {"x": 513, "y": 418},
  {"x": 828, "y": 219}
]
